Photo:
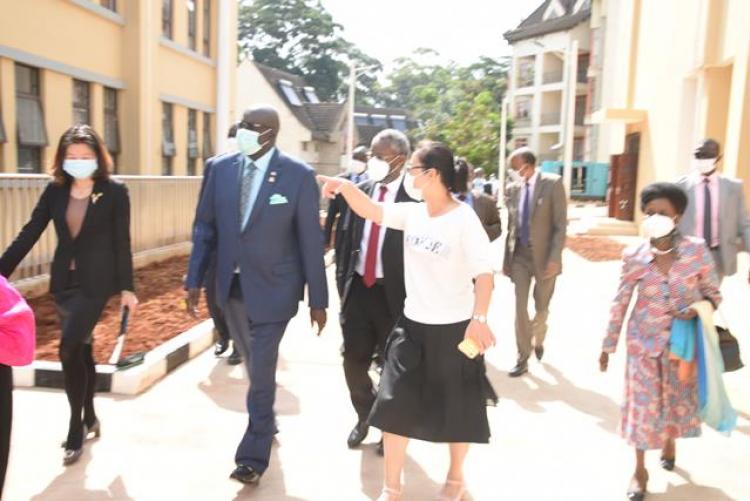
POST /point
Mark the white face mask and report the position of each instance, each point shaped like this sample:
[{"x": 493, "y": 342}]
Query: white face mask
[
  {"x": 657, "y": 226},
  {"x": 80, "y": 168},
  {"x": 516, "y": 176},
  {"x": 411, "y": 190},
  {"x": 377, "y": 169},
  {"x": 357, "y": 167},
  {"x": 248, "y": 141},
  {"x": 704, "y": 165}
]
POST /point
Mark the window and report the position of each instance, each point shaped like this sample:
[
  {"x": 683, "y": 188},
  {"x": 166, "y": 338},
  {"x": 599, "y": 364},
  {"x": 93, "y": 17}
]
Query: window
[
  {"x": 361, "y": 119},
  {"x": 290, "y": 93},
  {"x": 81, "y": 103},
  {"x": 110, "y": 4},
  {"x": 578, "y": 145},
  {"x": 111, "y": 125},
  {"x": 192, "y": 24},
  {"x": 207, "y": 28},
  {"x": 168, "y": 150},
  {"x": 32, "y": 132},
  {"x": 580, "y": 110},
  {"x": 398, "y": 122},
  {"x": 192, "y": 142},
  {"x": 166, "y": 18},
  {"x": 310, "y": 95},
  {"x": 379, "y": 120},
  {"x": 525, "y": 72},
  {"x": 521, "y": 142},
  {"x": 208, "y": 151},
  {"x": 3, "y": 137}
]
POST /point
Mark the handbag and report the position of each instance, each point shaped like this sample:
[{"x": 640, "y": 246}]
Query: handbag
[{"x": 729, "y": 346}]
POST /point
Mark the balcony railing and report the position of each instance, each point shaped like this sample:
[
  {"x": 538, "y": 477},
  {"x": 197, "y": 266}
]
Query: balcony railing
[
  {"x": 525, "y": 80},
  {"x": 552, "y": 77},
  {"x": 550, "y": 118},
  {"x": 161, "y": 215}
]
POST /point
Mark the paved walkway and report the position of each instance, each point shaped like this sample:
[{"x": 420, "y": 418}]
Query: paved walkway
[{"x": 554, "y": 431}]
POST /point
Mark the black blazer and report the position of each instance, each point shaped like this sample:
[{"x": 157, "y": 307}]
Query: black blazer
[
  {"x": 392, "y": 254},
  {"x": 102, "y": 249}
]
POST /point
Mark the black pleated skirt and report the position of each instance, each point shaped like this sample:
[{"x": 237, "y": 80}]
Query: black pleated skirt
[{"x": 431, "y": 391}]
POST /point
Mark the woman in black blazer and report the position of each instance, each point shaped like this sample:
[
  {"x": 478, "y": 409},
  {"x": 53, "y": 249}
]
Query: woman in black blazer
[{"x": 92, "y": 262}]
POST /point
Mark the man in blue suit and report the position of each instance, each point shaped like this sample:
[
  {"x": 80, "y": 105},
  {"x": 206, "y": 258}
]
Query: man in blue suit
[{"x": 260, "y": 213}]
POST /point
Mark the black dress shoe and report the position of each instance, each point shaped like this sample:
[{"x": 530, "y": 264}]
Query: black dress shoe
[
  {"x": 358, "y": 434},
  {"x": 245, "y": 474},
  {"x": 520, "y": 369},
  {"x": 539, "y": 352},
  {"x": 235, "y": 358},
  {"x": 380, "y": 451},
  {"x": 222, "y": 345},
  {"x": 668, "y": 464}
]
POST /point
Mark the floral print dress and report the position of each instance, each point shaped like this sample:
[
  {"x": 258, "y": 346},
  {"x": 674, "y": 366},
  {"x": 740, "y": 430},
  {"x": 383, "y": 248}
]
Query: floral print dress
[{"x": 657, "y": 405}]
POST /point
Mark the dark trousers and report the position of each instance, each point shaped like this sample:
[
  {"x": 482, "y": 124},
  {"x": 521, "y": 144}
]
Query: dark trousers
[
  {"x": 6, "y": 417},
  {"x": 217, "y": 315},
  {"x": 366, "y": 323},
  {"x": 79, "y": 315},
  {"x": 522, "y": 272},
  {"x": 259, "y": 346}
]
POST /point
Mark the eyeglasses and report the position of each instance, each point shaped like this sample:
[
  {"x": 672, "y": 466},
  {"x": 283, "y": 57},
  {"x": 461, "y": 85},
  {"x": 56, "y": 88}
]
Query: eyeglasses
[{"x": 410, "y": 168}]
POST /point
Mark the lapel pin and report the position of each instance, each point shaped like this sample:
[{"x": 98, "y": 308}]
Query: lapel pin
[{"x": 95, "y": 197}]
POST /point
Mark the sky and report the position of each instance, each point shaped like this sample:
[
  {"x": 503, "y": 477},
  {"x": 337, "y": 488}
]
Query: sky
[{"x": 460, "y": 30}]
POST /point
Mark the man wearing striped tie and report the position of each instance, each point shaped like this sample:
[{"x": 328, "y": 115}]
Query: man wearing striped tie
[
  {"x": 716, "y": 210},
  {"x": 537, "y": 221}
]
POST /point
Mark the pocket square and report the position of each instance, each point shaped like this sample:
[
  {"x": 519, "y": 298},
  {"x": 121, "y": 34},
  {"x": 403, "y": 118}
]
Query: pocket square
[{"x": 277, "y": 199}]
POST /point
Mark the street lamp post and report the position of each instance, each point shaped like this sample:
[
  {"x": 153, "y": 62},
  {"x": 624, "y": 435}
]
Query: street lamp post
[{"x": 354, "y": 72}]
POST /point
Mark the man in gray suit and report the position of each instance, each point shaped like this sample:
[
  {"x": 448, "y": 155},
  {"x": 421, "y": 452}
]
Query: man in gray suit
[
  {"x": 716, "y": 210},
  {"x": 537, "y": 221}
]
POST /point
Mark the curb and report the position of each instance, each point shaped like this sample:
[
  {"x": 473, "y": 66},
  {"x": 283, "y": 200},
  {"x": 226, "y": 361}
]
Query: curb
[{"x": 157, "y": 363}]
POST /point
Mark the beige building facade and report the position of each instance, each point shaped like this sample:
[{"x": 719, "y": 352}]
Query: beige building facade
[
  {"x": 155, "y": 79},
  {"x": 671, "y": 72}
]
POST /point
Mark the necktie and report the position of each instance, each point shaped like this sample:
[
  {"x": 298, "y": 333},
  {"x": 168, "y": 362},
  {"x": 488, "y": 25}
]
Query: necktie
[
  {"x": 707, "y": 219},
  {"x": 248, "y": 174},
  {"x": 371, "y": 258},
  {"x": 462, "y": 197},
  {"x": 525, "y": 216}
]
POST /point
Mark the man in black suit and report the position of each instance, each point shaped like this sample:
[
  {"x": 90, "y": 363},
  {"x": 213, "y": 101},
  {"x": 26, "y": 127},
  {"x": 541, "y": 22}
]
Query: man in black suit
[
  {"x": 356, "y": 173},
  {"x": 373, "y": 281}
]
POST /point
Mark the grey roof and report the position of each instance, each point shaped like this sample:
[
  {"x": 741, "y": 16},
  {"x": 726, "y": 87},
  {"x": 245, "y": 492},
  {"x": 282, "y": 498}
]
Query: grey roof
[
  {"x": 321, "y": 119},
  {"x": 535, "y": 25},
  {"x": 368, "y": 131}
]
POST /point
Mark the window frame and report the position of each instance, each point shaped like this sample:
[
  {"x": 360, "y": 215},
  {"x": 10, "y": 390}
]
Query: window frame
[
  {"x": 34, "y": 95},
  {"x": 192, "y": 142},
  {"x": 208, "y": 150},
  {"x": 112, "y": 123},
  {"x": 207, "y": 28},
  {"x": 80, "y": 108},
  {"x": 167, "y": 19},
  {"x": 192, "y": 24},
  {"x": 168, "y": 149}
]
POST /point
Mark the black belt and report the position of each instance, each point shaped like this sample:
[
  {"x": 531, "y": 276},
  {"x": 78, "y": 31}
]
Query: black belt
[{"x": 378, "y": 281}]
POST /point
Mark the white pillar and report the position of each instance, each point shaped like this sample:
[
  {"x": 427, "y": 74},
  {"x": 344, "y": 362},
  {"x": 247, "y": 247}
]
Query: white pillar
[
  {"x": 350, "y": 125},
  {"x": 570, "y": 109},
  {"x": 223, "y": 72},
  {"x": 503, "y": 147}
]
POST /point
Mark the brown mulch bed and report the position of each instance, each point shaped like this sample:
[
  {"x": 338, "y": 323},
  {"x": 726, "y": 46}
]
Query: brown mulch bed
[
  {"x": 160, "y": 316},
  {"x": 594, "y": 248}
]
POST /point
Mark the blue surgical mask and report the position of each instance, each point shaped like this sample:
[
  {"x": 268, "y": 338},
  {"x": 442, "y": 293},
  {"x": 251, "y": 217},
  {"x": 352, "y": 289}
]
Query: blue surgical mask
[
  {"x": 80, "y": 168},
  {"x": 248, "y": 141}
]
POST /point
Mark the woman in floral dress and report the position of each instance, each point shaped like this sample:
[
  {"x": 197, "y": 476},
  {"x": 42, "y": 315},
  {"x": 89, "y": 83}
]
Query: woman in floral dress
[{"x": 670, "y": 272}]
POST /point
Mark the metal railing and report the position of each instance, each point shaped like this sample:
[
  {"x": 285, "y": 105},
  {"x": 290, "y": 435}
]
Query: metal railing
[
  {"x": 161, "y": 214},
  {"x": 522, "y": 122}
]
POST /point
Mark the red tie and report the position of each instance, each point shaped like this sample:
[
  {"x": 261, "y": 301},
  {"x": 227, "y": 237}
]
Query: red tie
[{"x": 371, "y": 258}]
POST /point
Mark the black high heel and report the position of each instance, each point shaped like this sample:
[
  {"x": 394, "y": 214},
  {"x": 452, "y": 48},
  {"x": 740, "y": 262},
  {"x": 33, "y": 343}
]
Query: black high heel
[
  {"x": 638, "y": 494},
  {"x": 71, "y": 456},
  {"x": 668, "y": 464},
  {"x": 96, "y": 429}
]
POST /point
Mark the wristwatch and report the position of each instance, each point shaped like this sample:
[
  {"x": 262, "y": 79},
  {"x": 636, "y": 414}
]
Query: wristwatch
[{"x": 480, "y": 318}]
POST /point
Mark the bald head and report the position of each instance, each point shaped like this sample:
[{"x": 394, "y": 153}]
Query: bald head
[
  {"x": 707, "y": 148},
  {"x": 264, "y": 115},
  {"x": 263, "y": 119}
]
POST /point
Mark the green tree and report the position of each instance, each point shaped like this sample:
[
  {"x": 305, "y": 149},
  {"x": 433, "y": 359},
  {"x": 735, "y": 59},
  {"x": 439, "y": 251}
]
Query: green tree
[{"x": 301, "y": 37}]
